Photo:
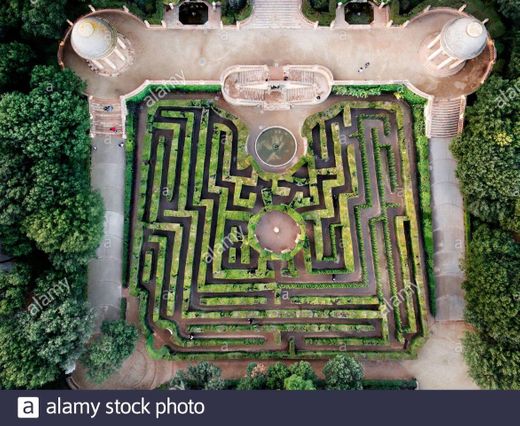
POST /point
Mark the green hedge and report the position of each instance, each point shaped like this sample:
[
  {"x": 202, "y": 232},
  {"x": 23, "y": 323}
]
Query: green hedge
[
  {"x": 231, "y": 16},
  {"x": 324, "y": 17},
  {"x": 182, "y": 88},
  {"x": 389, "y": 384}
]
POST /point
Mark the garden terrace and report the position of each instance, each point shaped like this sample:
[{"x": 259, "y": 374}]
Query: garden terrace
[
  {"x": 161, "y": 54},
  {"x": 355, "y": 281}
]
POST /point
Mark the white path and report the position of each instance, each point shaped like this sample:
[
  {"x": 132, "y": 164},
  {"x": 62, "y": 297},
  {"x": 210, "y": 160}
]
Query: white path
[
  {"x": 448, "y": 231},
  {"x": 105, "y": 271}
]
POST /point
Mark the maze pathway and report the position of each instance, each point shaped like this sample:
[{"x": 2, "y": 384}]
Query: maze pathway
[{"x": 357, "y": 284}]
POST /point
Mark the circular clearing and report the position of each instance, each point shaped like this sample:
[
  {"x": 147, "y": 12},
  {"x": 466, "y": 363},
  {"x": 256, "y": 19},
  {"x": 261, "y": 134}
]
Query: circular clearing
[
  {"x": 277, "y": 232},
  {"x": 276, "y": 146}
]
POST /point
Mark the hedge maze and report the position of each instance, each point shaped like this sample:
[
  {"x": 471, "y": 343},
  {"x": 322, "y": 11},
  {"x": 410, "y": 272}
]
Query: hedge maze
[{"x": 356, "y": 282}]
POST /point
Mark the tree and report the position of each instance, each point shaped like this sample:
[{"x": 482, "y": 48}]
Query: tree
[
  {"x": 237, "y": 4},
  {"x": 13, "y": 288},
  {"x": 106, "y": 353},
  {"x": 255, "y": 379},
  {"x": 59, "y": 332},
  {"x": 493, "y": 285},
  {"x": 276, "y": 375},
  {"x": 491, "y": 364},
  {"x": 510, "y": 8},
  {"x": 20, "y": 363},
  {"x": 296, "y": 382},
  {"x": 15, "y": 65},
  {"x": 46, "y": 199},
  {"x": 320, "y": 5},
  {"x": 513, "y": 70},
  {"x": 488, "y": 152},
  {"x": 44, "y": 18},
  {"x": 74, "y": 226},
  {"x": 10, "y": 14},
  {"x": 37, "y": 346},
  {"x": 304, "y": 370},
  {"x": 343, "y": 373},
  {"x": 202, "y": 376}
]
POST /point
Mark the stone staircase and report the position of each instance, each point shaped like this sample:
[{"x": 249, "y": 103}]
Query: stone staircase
[
  {"x": 302, "y": 76},
  {"x": 301, "y": 94},
  {"x": 252, "y": 94},
  {"x": 103, "y": 122},
  {"x": 277, "y": 14},
  {"x": 446, "y": 117},
  {"x": 252, "y": 76}
]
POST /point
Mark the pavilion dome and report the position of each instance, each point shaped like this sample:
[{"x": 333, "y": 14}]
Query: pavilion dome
[
  {"x": 464, "y": 38},
  {"x": 93, "y": 38}
]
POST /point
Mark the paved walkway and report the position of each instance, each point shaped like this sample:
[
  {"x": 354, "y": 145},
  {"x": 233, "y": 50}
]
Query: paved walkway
[
  {"x": 105, "y": 271},
  {"x": 448, "y": 231},
  {"x": 439, "y": 364}
]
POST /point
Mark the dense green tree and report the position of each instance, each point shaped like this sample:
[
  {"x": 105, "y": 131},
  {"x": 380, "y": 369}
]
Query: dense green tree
[
  {"x": 513, "y": 70},
  {"x": 276, "y": 375},
  {"x": 45, "y": 145},
  {"x": 255, "y": 379},
  {"x": 13, "y": 288},
  {"x": 296, "y": 382},
  {"x": 106, "y": 353},
  {"x": 37, "y": 345},
  {"x": 488, "y": 154},
  {"x": 10, "y": 14},
  {"x": 20, "y": 363},
  {"x": 510, "y": 8},
  {"x": 237, "y": 4},
  {"x": 51, "y": 122},
  {"x": 320, "y": 5},
  {"x": 59, "y": 331},
  {"x": 15, "y": 65},
  {"x": 74, "y": 227},
  {"x": 493, "y": 285},
  {"x": 201, "y": 376},
  {"x": 44, "y": 18},
  {"x": 304, "y": 370},
  {"x": 60, "y": 285},
  {"x": 491, "y": 364},
  {"x": 343, "y": 373}
]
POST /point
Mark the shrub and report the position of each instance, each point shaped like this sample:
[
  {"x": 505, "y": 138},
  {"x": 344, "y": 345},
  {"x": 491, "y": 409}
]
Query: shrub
[
  {"x": 304, "y": 370},
  {"x": 276, "y": 376},
  {"x": 202, "y": 376},
  {"x": 492, "y": 365},
  {"x": 493, "y": 285},
  {"x": 106, "y": 354},
  {"x": 255, "y": 379},
  {"x": 296, "y": 382},
  {"x": 343, "y": 373}
]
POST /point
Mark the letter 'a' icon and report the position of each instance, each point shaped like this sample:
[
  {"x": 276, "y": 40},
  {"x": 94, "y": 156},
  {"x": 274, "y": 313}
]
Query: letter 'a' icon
[{"x": 28, "y": 407}]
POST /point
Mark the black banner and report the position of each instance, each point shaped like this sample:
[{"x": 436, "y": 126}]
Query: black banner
[{"x": 229, "y": 408}]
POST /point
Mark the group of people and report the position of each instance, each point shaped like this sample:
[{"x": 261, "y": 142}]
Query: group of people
[{"x": 361, "y": 69}]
